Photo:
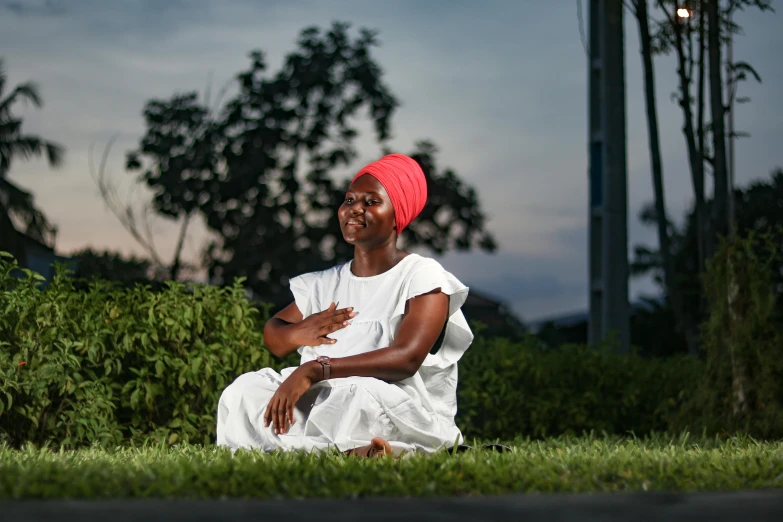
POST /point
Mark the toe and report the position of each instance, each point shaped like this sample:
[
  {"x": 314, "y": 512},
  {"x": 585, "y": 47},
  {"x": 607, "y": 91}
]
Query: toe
[{"x": 380, "y": 447}]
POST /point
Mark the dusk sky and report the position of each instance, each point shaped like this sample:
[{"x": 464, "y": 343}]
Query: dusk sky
[{"x": 499, "y": 86}]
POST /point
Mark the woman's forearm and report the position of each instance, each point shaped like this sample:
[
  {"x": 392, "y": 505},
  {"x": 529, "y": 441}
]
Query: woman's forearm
[
  {"x": 387, "y": 364},
  {"x": 277, "y": 337},
  {"x": 417, "y": 334}
]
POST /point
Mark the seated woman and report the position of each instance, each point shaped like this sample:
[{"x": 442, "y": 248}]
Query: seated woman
[{"x": 367, "y": 383}]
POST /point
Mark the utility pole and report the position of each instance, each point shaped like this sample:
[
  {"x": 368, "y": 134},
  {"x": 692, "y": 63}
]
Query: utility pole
[
  {"x": 608, "y": 181},
  {"x": 732, "y": 93}
]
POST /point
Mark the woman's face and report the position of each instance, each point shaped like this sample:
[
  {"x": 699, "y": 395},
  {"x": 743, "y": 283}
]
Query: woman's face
[{"x": 366, "y": 215}]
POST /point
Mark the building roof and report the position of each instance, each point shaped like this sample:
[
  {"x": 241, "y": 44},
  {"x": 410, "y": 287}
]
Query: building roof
[{"x": 573, "y": 318}]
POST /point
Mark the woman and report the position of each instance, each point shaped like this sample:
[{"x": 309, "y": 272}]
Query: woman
[{"x": 367, "y": 383}]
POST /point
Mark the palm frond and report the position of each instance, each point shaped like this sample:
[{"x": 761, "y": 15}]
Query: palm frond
[
  {"x": 18, "y": 205},
  {"x": 27, "y": 147},
  {"x": 9, "y": 128},
  {"x": 54, "y": 153},
  {"x": 12, "y": 196},
  {"x": 2, "y": 76},
  {"x": 24, "y": 92},
  {"x": 10, "y": 239}
]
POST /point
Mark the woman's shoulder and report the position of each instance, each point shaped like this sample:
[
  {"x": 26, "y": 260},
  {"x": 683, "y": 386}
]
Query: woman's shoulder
[
  {"x": 311, "y": 278},
  {"x": 429, "y": 269},
  {"x": 418, "y": 263}
]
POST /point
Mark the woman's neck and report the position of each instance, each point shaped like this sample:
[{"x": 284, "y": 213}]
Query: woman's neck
[{"x": 368, "y": 262}]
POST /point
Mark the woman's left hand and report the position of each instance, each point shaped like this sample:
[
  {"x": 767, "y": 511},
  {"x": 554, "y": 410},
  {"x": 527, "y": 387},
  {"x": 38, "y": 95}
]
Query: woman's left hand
[{"x": 280, "y": 410}]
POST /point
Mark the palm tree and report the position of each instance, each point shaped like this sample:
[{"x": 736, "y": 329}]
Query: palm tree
[{"x": 18, "y": 214}]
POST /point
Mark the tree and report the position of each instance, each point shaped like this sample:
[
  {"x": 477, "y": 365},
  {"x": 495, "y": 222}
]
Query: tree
[
  {"x": 111, "y": 266},
  {"x": 261, "y": 173},
  {"x": 682, "y": 318},
  {"x": 18, "y": 212},
  {"x": 759, "y": 209},
  {"x": 720, "y": 178},
  {"x": 182, "y": 142},
  {"x": 675, "y": 32}
]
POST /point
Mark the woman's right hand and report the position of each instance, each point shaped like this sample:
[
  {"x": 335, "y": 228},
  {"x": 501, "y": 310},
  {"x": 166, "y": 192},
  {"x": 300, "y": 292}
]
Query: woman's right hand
[{"x": 313, "y": 331}]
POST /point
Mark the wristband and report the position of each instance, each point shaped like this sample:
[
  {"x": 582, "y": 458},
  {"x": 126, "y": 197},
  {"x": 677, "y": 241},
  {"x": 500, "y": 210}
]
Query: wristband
[{"x": 325, "y": 364}]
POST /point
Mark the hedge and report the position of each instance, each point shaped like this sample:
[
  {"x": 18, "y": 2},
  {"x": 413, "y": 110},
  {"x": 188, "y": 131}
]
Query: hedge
[
  {"x": 519, "y": 388},
  {"x": 121, "y": 366}
]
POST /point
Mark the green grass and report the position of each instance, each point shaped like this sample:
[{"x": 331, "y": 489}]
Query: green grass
[{"x": 586, "y": 464}]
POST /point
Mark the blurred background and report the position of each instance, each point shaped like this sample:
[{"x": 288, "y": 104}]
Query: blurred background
[{"x": 195, "y": 140}]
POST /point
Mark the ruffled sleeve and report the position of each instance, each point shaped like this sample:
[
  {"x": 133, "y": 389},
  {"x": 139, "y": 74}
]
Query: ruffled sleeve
[
  {"x": 425, "y": 277},
  {"x": 302, "y": 294}
]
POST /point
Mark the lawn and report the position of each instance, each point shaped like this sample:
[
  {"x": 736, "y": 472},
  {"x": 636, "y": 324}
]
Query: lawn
[{"x": 584, "y": 464}]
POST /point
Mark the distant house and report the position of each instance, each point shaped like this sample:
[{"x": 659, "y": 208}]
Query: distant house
[
  {"x": 493, "y": 313},
  {"x": 650, "y": 320},
  {"x": 41, "y": 258},
  {"x": 578, "y": 318}
]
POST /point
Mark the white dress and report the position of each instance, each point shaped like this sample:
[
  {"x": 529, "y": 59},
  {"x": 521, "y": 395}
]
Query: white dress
[{"x": 416, "y": 414}]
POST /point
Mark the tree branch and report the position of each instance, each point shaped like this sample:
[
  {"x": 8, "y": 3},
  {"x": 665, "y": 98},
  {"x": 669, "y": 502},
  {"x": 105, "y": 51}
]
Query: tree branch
[{"x": 124, "y": 213}]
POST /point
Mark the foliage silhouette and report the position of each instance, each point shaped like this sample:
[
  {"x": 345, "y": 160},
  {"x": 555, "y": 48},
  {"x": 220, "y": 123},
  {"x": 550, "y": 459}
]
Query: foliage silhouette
[
  {"x": 759, "y": 209},
  {"x": 18, "y": 212},
  {"x": 261, "y": 171}
]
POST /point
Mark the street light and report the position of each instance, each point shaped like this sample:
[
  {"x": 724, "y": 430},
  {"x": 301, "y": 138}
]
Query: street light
[{"x": 683, "y": 12}]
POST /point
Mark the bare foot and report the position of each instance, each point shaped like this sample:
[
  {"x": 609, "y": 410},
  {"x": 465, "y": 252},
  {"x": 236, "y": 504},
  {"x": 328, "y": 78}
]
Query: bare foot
[{"x": 378, "y": 447}]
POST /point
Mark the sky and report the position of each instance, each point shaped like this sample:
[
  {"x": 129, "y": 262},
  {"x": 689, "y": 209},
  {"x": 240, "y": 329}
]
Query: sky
[{"x": 499, "y": 86}]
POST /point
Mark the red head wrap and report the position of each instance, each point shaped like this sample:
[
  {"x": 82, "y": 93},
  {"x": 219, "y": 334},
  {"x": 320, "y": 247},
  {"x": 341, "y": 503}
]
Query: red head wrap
[{"x": 404, "y": 181}]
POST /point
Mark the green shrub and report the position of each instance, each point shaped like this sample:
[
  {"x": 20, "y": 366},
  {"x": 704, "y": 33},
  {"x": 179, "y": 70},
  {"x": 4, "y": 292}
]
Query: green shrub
[
  {"x": 118, "y": 365},
  {"x": 510, "y": 389},
  {"x": 742, "y": 387}
]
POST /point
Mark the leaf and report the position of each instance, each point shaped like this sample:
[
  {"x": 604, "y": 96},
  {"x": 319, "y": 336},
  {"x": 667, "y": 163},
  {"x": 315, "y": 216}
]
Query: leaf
[
  {"x": 195, "y": 364},
  {"x": 742, "y": 67},
  {"x": 134, "y": 398}
]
